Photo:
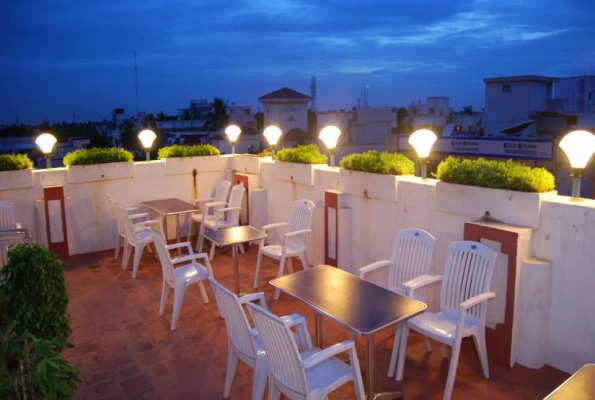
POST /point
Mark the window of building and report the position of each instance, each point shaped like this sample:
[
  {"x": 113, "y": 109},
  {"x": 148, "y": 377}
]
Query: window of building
[
  {"x": 506, "y": 88},
  {"x": 431, "y": 111}
]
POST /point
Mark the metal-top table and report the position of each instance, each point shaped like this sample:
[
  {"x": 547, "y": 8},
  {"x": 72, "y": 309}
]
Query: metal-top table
[
  {"x": 580, "y": 386},
  {"x": 167, "y": 207},
  {"x": 25, "y": 231},
  {"x": 233, "y": 237},
  {"x": 354, "y": 303}
]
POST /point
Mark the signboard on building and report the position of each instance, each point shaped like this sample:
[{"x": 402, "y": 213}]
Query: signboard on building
[{"x": 520, "y": 149}]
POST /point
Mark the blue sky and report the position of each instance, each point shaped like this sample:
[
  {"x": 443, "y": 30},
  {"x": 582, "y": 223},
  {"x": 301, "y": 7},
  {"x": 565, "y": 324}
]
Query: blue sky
[{"x": 63, "y": 57}]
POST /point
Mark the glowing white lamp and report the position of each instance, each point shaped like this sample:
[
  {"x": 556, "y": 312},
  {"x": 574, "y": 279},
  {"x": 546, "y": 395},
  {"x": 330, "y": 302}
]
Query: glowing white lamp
[
  {"x": 147, "y": 137},
  {"x": 330, "y": 135},
  {"x": 233, "y": 132},
  {"x": 579, "y": 146},
  {"x": 272, "y": 133},
  {"x": 422, "y": 141},
  {"x": 46, "y": 142}
]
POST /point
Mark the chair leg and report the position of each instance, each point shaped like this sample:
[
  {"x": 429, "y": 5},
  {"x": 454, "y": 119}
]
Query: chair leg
[
  {"x": 304, "y": 260},
  {"x": 212, "y": 252},
  {"x": 164, "y": 294},
  {"x": 203, "y": 292},
  {"x": 232, "y": 363},
  {"x": 279, "y": 275},
  {"x": 259, "y": 382},
  {"x": 290, "y": 265},
  {"x": 402, "y": 353},
  {"x": 274, "y": 393},
  {"x": 118, "y": 246},
  {"x": 452, "y": 369},
  {"x": 480, "y": 345},
  {"x": 393, "y": 357},
  {"x": 444, "y": 350},
  {"x": 428, "y": 344},
  {"x": 241, "y": 246},
  {"x": 189, "y": 234},
  {"x": 357, "y": 376},
  {"x": 201, "y": 238},
  {"x": 138, "y": 253},
  {"x": 258, "y": 266},
  {"x": 179, "y": 292},
  {"x": 126, "y": 255}
]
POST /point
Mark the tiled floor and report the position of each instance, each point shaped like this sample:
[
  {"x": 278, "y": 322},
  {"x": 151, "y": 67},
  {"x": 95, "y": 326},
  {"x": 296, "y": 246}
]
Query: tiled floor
[{"x": 124, "y": 349}]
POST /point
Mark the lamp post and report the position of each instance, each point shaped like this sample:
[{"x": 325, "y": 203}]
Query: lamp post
[
  {"x": 147, "y": 137},
  {"x": 422, "y": 141},
  {"x": 330, "y": 135},
  {"x": 232, "y": 132},
  {"x": 579, "y": 146},
  {"x": 46, "y": 142},
  {"x": 272, "y": 133}
]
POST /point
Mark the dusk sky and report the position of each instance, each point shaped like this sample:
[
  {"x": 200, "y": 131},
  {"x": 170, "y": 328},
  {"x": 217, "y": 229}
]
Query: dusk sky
[{"x": 63, "y": 57}]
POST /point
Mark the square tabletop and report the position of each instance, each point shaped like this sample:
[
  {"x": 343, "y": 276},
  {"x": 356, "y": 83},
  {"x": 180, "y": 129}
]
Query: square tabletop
[
  {"x": 580, "y": 386},
  {"x": 235, "y": 235},
  {"x": 170, "y": 206},
  {"x": 353, "y": 302}
]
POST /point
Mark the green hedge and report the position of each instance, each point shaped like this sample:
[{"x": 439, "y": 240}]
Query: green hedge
[
  {"x": 97, "y": 155},
  {"x": 198, "y": 150},
  {"x": 509, "y": 175},
  {"x": 15, "y": 162},
  {"x": 309, "y": 154},
  {"x": 379, "y": 163}
]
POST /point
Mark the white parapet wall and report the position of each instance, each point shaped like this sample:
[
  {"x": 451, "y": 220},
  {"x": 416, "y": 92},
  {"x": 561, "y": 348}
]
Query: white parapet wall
[{"x": 559, "y": 276}]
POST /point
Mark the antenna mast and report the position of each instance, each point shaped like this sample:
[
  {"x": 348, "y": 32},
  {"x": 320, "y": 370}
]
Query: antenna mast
[
  {"x": 136, "y": 83},
  {"x": 313, "y": 92}
]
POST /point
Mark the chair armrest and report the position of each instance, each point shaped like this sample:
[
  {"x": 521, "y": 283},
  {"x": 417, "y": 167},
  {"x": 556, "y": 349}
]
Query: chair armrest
[
  {"x": 179, "y": 245},
  {"x": 131, "y": 209},
  {"x": 298, "y": 233},
  {"x": 252, "y": 297},
  {"x": 215, "y": 204},
  {"x": 420, "y": 281},
  {"x": 372, "y": 267},
  {"x": 138, "y": 216},
  {"x": 203, "y": 200},
  {"x": 147, "y": 223},
  {"x": 327, "y": 353},
  {"x": 189, "y": 257},
  {"x": 303, "y": 335},
  {"x": 276, "y": 225},
  {"x": 475, "y": 300},
  {"x": 222, "y": 210}
]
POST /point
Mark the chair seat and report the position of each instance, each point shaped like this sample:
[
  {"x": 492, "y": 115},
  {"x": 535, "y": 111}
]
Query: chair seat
[
  {"x": 441, "y": 326},
  {"x": 144, "y": 235},
  {"x": 210, "y": 223},
  {"x": 196, "y": 217},
  {"x": 275, "y": 251},
  {"x": 327, "y": 375},
  {"x": 191, "y": 273}
]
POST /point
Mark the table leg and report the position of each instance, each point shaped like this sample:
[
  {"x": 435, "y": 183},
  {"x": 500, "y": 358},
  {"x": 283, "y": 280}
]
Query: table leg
[
  {"x": 236, "y": 275},
  {"x": 178, "y": 233},
  {"x": 164, "y": 219},
  {"x": 370, "y": 394},
  {"x": 318, "y": 328}
]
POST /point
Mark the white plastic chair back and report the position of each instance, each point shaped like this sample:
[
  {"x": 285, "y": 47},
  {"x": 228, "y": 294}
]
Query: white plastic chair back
[
  {"x": 411, "y": 256},
  {"x": 165, "y": 260},
  {"x": 7, "y": 241},
  {"x": 127, "y": 223},
  {"x": 299, "y": 219},
  {"x": 112, "y": 202},
  {"x": 238, "y": 328},
  {"x": 222, "y": 191},
  {"x": 282, "y": 351},
  {"x": 468, "y": 272},
  {"x": 7, "y": 220},
  {"x": 235, "y": 200}
]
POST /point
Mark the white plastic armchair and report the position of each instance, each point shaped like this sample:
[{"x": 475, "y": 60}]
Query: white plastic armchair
[
  {"x": 121, "y": 233},
  {"x": 463, "y": 302},
  {"x": 410, "y": 260},
  {"x": 8, "y": 240},
  {"x": 179, "y": 278},
  {"x": 137, "y": 236},
  {"x": 221, "y": 193},
  {"x": 295, "y": 241},
  {"x": 7, "y": 219},
  {"x": 303, "y": 374}
]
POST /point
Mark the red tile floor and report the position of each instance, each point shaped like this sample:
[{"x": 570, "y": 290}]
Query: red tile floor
[{"x": 124, "y": 349}]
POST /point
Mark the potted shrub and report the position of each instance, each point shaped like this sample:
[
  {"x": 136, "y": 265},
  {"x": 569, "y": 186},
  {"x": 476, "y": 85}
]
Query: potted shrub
[
  {"x": 374, "y": 174},
  {"x": 97, "y": 164},
  {"x": 183, "y": 159},
  {"x": 15, "y": 171},
  {"x": 297, "y": 164},
  {"x": 510, "y": 191}
]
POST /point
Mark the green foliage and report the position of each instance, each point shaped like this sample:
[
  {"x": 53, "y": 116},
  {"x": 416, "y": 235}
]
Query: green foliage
[
  {"x": 34, "y": 292},
  {"x": 198, "y": 150},
  {"x": 14, "y": 162},
  {"x": 309, "y": 154},
  {"x": 509, "y": 175},
  {"x": 379, "y": 163},
  {"x": 33, "y": 368},
  {"x": 97, "y": 155}
]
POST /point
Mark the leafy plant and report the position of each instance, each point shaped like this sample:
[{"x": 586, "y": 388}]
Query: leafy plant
[
  {"x": 97, "y": 155},
  {"x": 198, "y": 150},
  {"x": 15, "y": 162},
  {"x": 264, "y": 153},
  {"x": 509, "y": 175},
  {"x": 379, "y": 163},
  {"x": 308, "y": 154},
  {"x": 32, "y": 368},
  {"x": 34, "y": 292}
]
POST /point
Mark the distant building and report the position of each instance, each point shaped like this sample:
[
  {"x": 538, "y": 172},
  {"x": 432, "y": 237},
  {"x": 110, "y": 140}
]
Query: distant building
[
  {"x": 435, "y": 113},
  {"x": 362, "y": 125},
  {"x": 242, "y": 116},
  {"x": 288, "y": 110}
]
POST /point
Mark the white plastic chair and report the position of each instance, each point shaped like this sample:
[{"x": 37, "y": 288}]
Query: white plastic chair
[
  {"x": 7, "y": 240},
  {"x": 309, "y": 374},
  {"x": 181, "y": 277},
  {"x": 137, "y": 236},
  {"x": 121, "y": 234},
  {"x": 222, "y": 217},
  {"x": 463, "y": 302},
  {"x": 7, "y": 220},
  {"x": 221, "y": 192},
  {"x": 411, "y": 258},
  {"x": 295, "y": 241}
]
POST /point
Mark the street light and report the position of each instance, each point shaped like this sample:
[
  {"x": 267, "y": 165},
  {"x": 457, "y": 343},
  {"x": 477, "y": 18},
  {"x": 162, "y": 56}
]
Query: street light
[
  {"x": 46, "y": 142},
  {"x": 329, "y": 135},
  {"x": 232, "y": 132},
  {"x": 422, "y": 141},
  {"x": 147, "y": 137},
  {"x": 579, "y": 147},
  {"x": 272, "y": 133}
]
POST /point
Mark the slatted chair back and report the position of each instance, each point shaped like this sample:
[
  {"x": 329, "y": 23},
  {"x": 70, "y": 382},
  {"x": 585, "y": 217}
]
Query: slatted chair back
[
  {"x": 222, "y": 191},
  {"x": 7, "y": 241},
  {"x": 411, "y": 256},
  {"x": 299, "y": 219},
  {"x": 164, "y": 257},
  {"x": 7, "y": 220},
  {"x": 235, "y": 200}
]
